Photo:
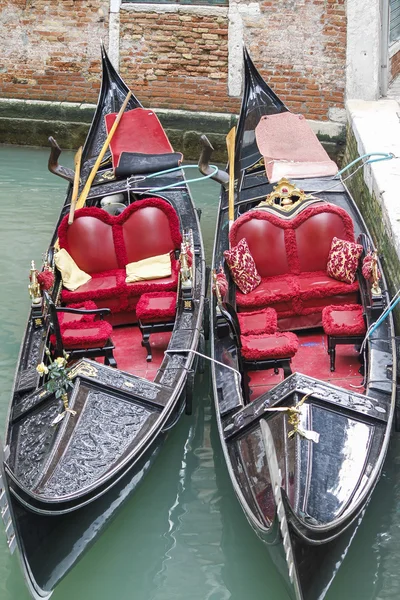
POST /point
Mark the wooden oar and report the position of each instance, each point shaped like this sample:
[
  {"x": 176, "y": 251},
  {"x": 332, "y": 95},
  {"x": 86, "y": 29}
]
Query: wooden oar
[
  {"x": 86, "y": 189},
  {"x": 75, "y": 189},
  {"x": 230, "y": 144}
]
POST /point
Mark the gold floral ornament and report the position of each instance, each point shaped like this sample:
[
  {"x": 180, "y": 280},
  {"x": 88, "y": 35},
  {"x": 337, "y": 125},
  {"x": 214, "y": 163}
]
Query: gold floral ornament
[{"x": 58, "y": 382}]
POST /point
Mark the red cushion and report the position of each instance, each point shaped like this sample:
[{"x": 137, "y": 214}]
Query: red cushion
[
  {"x": 257, "y": 231},
  {"x": 270, "y": 290},
  {"x": 102, "y": 285},
  {"x": 275, "y": 345},
  {"x": 158, "y": 225},
  {"x": 314, "y": 237},
  {"x": 259, "y": 321},
  {"x": 156, "y": 307},
  {"x": 318, "y": 284},
  {"x": 343, "y": 260},
  {"x": 166, "y": 284},
  {"x": 282, "y": 246},
  {"x": 101, "y": 242},
  {"x": 343, "y": 320},
  {"x": 74, "y": 321},
  {"x": 242, "y": 267},
  {"x": 94, "y": 336}
]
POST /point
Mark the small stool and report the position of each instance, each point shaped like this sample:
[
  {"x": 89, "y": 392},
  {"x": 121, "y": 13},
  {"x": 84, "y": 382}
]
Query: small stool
[
  {"x": 343, "y": 325},
  {"x": 156, "y": 313},
  {"x": 258, "y": 322},
  {"x": 269, "y": 351}
]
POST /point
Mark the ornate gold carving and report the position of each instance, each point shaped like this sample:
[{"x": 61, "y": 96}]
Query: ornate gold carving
[
  {"x": 34, "y": 287},
  {"x": 83, "y": 368},
  {"x": 375, "y": 289},
  {"x": 187, "y": 304},
  {"x": 285, "y": 196}
]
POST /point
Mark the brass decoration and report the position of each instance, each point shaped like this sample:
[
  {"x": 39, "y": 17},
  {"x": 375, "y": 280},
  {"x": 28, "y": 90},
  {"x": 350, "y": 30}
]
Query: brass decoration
[
  {"x": 375, "y": 289},
  {"x": 83, "y": 368},
  {"x": 38, "y": 322},
  {"x": 216, "y": 287},
  {"x": 34, "y": 287},
  {"x": 285, "y": 196},
  {"x": 259, "y": 163},
  {"x": 187, "y": 304},
  {"x": 294, "y": 420},
  {"x": 128, "y": 384}
]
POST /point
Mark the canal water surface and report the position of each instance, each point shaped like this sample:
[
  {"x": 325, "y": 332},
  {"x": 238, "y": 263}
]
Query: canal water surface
[{"x": 182, "y": 536}]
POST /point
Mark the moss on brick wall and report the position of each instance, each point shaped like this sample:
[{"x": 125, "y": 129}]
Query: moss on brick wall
[{"x": 371, "y": 210}]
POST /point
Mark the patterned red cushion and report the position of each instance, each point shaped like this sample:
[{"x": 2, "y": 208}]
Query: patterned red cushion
[
  {"x": 343, "y": 260},
  {"x": 242, "y": 267}
]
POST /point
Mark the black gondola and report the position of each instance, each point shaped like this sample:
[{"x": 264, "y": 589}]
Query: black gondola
[
  {"x": 304, "y": 372},
  {"x": 71, "y": 459}
]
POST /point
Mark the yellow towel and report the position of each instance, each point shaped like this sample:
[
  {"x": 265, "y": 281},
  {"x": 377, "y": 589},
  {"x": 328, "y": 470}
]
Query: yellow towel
[
  {"x": 72, "y": 276},
  {"x": 154, "y": 267}
]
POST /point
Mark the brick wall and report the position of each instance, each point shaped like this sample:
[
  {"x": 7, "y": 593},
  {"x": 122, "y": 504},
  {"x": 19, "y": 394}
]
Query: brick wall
[
  {"x": 300, "y": 46},
  {"x": 175, "y": 60},
  {"x": 395, "y": 65},
  {"x": 51, "y": 50}
]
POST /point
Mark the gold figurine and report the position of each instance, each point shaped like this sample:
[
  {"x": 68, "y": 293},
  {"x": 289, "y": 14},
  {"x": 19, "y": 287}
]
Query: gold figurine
[{"x": 34, "y": 287}]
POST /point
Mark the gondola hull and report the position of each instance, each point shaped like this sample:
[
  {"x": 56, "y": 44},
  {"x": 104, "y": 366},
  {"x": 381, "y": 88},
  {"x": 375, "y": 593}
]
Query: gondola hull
[
  {"x": 64, "y": 475},
  {"x": 304, "y": 444}
]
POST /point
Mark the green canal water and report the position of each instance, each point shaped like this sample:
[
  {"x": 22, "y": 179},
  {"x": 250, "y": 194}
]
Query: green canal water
[{"x": 182, "y": 536}]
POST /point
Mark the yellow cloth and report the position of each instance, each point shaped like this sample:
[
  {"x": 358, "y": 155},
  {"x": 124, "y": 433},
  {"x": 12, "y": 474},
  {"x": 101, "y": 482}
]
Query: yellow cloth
[
  {"x": 153, "y": 267},
  {"x": 72, "y": 276}
]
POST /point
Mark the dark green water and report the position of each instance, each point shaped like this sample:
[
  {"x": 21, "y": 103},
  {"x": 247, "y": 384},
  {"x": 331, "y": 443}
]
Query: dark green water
[{"x": 182, "y": 536}]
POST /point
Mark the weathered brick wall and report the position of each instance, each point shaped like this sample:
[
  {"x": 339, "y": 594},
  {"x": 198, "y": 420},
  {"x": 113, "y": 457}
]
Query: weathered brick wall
[
  {"x": 51, "y": 50},
  {"x": 395, "y": 65},
  {"x": 300, "y": 46},
  {"x": 175, "y": 60}
]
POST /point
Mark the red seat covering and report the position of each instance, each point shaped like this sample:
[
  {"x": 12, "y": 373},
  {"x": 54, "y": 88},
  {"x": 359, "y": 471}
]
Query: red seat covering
[
  {"x": 102, "y": 245},
  {"x": 166, "y": 284},
  {"x": 264, "y": 347},
  {"x": 291, "y": 257},
  {"x": 156, "y": 307},
  {"x": 74, "y": 321},
  {"x": 343, "y": 320},
  {"x": 259, "y": 321},
  {"x": 93, "y": 336}
]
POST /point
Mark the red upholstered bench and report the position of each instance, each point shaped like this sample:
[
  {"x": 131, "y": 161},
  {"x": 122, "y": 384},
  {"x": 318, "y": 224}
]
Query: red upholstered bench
[
  {"x": 156, "y": 313},
  {"x": 102, "y": 245},
  {"x": 291, "y": 257},
  {"x": 343, "y": 325}
]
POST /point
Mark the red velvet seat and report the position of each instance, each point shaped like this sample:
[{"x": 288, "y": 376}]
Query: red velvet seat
[
  {"x": 102, "y": 245},
  {"x": 343, "y": 320},
  {"x": 156, "y": 307},
  {"x": 273, "y": 346},
  {"x": 89, "y": 336},
  {"x": 80, "y": 334},
  {"x": 343, "y": 325},
  {"x": 74, "y": 321},
  {"x": 156, "y": 313},
  {"x": 291, "y": 256},
  {"x": 259, "y": 321}
]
